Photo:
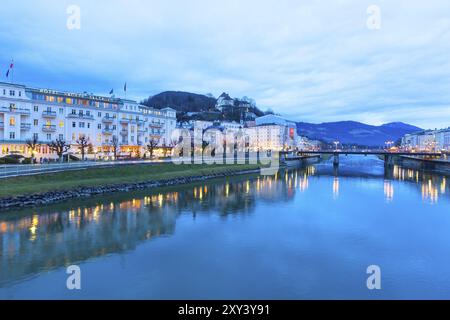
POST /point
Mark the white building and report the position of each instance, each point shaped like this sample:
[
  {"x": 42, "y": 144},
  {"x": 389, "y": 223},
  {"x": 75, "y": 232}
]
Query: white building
[
  {"x": 224, "y": 101},
  {"x": 429, "y": 140},
  {"x": 272, "y": 133},
  {"x": 49, "y": 115}
]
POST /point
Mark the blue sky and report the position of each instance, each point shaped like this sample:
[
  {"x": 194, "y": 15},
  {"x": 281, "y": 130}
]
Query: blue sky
[{"x": 307, "y": 60}]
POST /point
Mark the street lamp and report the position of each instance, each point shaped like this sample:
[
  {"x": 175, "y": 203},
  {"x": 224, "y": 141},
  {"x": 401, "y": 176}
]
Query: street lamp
[{"x": 336, "y": 143}]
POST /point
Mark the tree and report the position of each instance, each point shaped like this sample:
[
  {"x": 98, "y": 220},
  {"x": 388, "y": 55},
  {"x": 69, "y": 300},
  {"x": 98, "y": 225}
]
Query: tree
[
  {"x": 115, "y": 146},
  {"x": 165, "y": 150},
  {"x": 33, "y": 145},
  {"x": 152, "y": 144},
  {"x": 183, "y": 118},
  {"x": 59, "y": 147},
  {"x": 83, "y": 145}
]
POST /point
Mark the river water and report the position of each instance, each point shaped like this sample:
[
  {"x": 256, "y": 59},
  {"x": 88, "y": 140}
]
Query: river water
[{"x": 307, "y": 233}]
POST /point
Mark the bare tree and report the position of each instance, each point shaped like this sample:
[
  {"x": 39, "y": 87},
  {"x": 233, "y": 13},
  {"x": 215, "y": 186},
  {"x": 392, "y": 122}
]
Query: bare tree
[
  {"x": 115, "y": 146},
  {"x": 33, "y": 145},
  {"x": 152, "y": 144},
  {"x": 59, "y": 147},
  {"x": 83, "y": 145}
]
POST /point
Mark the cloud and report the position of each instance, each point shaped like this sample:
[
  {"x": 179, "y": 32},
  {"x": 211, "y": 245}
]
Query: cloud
[{"x": 308, "y": 60}]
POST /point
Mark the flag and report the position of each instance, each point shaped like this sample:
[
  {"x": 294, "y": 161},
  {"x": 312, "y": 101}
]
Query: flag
[
  {"x": 11, "y": 65},
  {"x": 125, "y": 87},
  {"x": 7, "y": 73},
  {"x": 112, "y": 91}
]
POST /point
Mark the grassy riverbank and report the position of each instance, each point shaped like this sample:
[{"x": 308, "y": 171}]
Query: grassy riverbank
[{"x": 108, "y": 176}]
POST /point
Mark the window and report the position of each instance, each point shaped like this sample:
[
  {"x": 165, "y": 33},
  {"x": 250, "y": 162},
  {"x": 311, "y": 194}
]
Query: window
[
  {"x": 61, "y": 137},
  {"x": 99, "y": 126},
  {"x": 81, "y": 124},
  {"x": 88, "y": 113},
  {"x": 99, "y": 114},
  {"x": 88, "y": 125},
  {"x": 73, "y": 136},
  {"x": 60, "y": 99},
  {"x": 20, "y": 93},
  {"x": 74, "y": 124},
  {"x": 61, "y": 111},
  {"x": 69, "y": 101},
  {"x": 4, "y": 92},
  {"x": 114, "y": 127},
  {"x": 36, "y": 136},
  {"x": 61, "y": 124},
  {"x": 49, "y": 136},
  {"x": 12, "y": 135},
  {"x": 36, "y": 108},
  {"x": 12, "y": 93},
  {"x": 12, "y": 121},
  {"x": 74, "y": 111},
  {"x": 35, "y": 122}
]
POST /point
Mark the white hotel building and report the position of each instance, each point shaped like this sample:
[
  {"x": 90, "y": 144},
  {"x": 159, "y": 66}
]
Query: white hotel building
[{"x": 49, "y": 115}]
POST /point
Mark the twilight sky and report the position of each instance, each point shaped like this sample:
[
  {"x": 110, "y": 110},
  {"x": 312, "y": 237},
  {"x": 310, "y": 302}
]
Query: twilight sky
[{"x": 307, "y": 60}]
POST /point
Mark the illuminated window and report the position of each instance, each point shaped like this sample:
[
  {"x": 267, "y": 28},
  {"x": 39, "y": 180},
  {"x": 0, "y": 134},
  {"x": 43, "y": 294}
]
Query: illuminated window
[
  {"x": 12, "y": 121},
  {"x": 48, "y": 124},
  {"x": 69, "y": 101},
  {"x": 50, "y": 98},
  {"x": 36, "y": 122},
  {"x": 60, "y": 99},
  {"x": 61, "y": 124}
]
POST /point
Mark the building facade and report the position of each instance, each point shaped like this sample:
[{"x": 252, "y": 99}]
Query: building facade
[
  {"x": 48, "y": 115},
  {"x": 428, "y": 140}
]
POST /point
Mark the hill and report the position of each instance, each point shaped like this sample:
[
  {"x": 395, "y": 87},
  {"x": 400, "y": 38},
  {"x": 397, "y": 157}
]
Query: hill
[
  {"x": 352, "y": 132},
  {"x": 182, "y": 101}
]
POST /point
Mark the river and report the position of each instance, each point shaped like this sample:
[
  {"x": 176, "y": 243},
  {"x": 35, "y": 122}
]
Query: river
[{"x": 306, "y": 233}]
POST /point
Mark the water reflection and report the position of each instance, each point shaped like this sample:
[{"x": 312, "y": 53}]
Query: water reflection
[{"x": 47, "y": 238}]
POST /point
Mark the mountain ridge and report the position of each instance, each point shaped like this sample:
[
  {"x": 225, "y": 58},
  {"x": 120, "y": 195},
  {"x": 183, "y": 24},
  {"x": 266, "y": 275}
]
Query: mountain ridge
[{"x": 353, "y": 132}]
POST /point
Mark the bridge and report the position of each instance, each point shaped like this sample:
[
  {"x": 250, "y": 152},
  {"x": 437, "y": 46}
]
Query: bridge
[{"x": 388, "y": 156}]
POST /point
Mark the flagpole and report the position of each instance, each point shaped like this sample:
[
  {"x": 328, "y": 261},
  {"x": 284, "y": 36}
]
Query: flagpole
[{"x": 12, "y": 71}]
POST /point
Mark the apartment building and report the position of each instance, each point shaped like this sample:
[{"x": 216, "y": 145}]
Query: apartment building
[
  {"x": 48, "y": 115},
  {"x": 428, "y": 140}
]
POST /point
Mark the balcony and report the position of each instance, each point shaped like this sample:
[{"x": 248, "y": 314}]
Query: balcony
[
  {"x": 141, "y": 131},
  {"x": 125, "y": 121},
  {"x": 49, "y": 114},
  {"x": 81, "y": 116},
  {"x": 124, "y": 132},
  {"x": 140, "y": 122},
  {"x": 108, "y": 119},
  {"x": 108, "y": 130},
  {"x": 15, "y": 110},
  {"x": 48, "y": 128},
  {"x": 25, "y": 126}
]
